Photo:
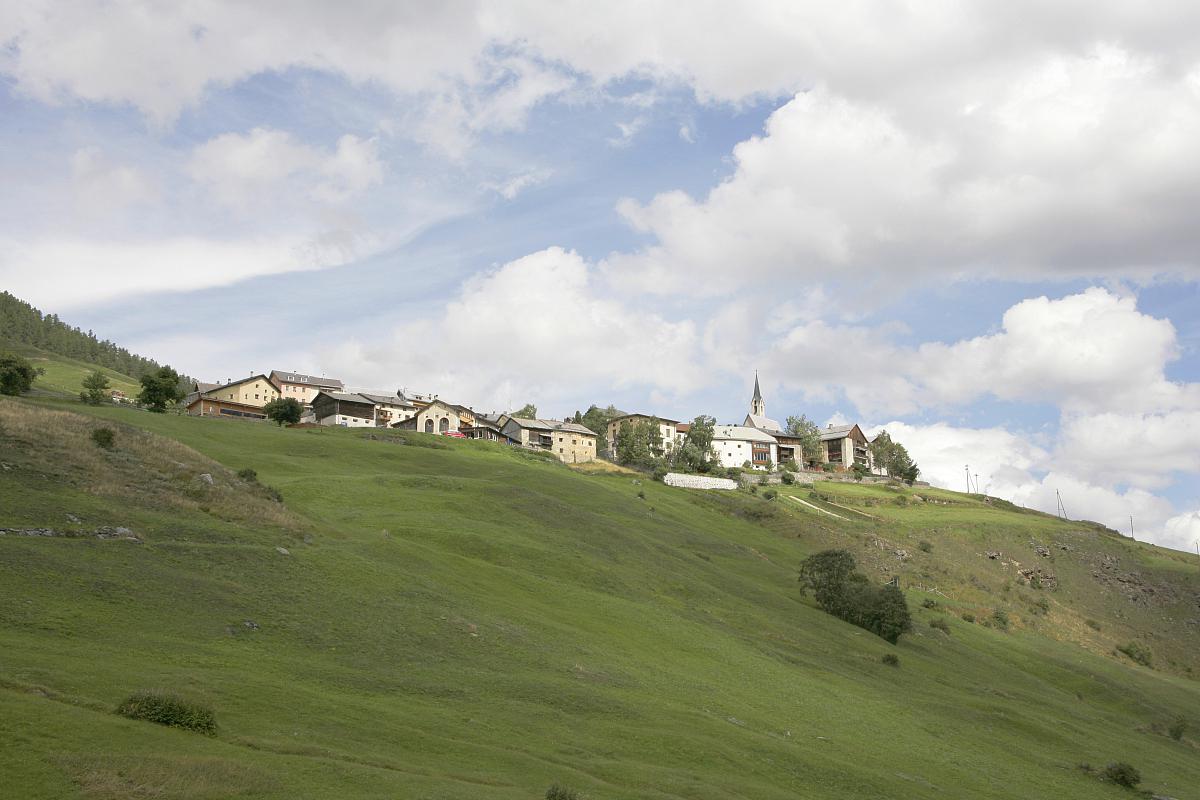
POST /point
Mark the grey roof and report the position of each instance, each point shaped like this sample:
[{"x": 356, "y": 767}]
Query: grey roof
[
  {"x": 764, "y": 423},
  {"x": 535, "y": 424},
  {"x": 390, "y": 399},
  {"x": 741, "y": 433},
  {"x": 348, "y": 398},
  {"x": 836, "y": 432},
  {"x": 574, "y": 427},
  {"x": 202, "y": 386},
  {"x": 312, "y": 380},
  {"x": 647, "y": 416}
]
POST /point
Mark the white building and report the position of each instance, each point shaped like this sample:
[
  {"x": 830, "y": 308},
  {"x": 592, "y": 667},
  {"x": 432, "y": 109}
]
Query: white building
[{"x": 737, "y": 444}]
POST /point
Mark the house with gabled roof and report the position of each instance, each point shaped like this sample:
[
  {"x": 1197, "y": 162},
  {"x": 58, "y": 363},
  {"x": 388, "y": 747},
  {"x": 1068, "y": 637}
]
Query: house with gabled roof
[
  {"x": 243, "y": 398},
  {"x": 570, "y": 442},
  {"x": 843, "y": 446},
  {"x": 303, "y": 387},
  {"x": 433, "y": 417},
  {"x": 346, "y": 409},
  {"x": 735, "y": 445}
]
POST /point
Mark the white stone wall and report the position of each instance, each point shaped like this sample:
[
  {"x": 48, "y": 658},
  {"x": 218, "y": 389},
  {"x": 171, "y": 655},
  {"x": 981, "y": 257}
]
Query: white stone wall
[{"x": 698, "y": 481}]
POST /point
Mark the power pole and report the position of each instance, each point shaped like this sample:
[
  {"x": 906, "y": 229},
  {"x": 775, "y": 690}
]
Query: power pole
[
  {"x": 1062, "y": 510},
  {"x": 967, "y": 469},
  {"x": 1131, "y": 536}
]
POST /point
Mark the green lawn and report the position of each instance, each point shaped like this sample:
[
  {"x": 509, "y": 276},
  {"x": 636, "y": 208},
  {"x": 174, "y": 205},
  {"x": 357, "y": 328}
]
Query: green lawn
[
  {"x": 460, "y": 620},
  {"x": 65, "y": 375}
]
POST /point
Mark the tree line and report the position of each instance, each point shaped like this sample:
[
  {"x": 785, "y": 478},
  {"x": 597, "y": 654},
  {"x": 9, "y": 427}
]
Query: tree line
[{"x": 21, "y": 322}]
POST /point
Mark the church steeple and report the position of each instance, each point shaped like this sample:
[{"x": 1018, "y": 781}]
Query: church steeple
[{"x": 757, "y": 406}]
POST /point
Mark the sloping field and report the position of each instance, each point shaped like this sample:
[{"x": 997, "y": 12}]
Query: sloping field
[
  {"x": 425, "y": 618},
  {"x": 65, "y": 375}
]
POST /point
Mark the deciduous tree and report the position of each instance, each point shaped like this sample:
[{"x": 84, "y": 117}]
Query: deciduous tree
[
  {"x": 95, "y": 388},
  {"x": 160, "y": 388},
  {"x": 284, "y": 411}
]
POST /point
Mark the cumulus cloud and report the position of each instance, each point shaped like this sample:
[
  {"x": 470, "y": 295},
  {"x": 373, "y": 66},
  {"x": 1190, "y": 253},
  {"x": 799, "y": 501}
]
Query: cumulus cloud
[
  {"x": 241, "y": 170},
  {"x": 1090, "y": 352},
  {"x": 104, "y": 187},
  {"x": 1042, "y": 172},
  {"x": 533, "y": 328}
]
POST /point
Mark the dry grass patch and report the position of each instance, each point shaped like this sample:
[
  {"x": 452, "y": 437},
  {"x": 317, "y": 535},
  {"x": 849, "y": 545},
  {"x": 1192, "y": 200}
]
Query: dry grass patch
[
  {"x": 141, "y": 466},
  {"x": 120, "y": 777}
]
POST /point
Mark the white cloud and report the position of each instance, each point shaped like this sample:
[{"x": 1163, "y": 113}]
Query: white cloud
[
  {"x": 1182, "y": 531},
  {"x": 512, "y": 186},
  {"x": 1087, "y": 353},
  {"x": 72, "y": 273},
  {"x": 531, "y": 329},
  {"x": 243, "y": 170},
  {"x": 102, "y": 187}
]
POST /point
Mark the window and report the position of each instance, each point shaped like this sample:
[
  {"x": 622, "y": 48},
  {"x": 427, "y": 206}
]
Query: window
[
  {"x": 429, "y": 426},
  {"x": 443, "y": 425}
]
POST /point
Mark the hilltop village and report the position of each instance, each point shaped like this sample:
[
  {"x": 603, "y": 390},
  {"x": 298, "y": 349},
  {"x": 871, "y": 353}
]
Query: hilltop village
[{"x": 758, "y": 442}]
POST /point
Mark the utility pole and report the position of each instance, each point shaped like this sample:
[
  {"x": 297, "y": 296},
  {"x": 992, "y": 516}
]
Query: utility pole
[
  {"x": 1131, "y": 536},
  {"x": 967, "y": 469},
  {"x": 1062, "y": 510}
]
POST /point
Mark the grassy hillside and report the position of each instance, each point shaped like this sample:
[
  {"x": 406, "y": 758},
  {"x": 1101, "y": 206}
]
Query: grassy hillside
[
  {"x": 64, "y": 376},
  {"x": 439, "y": 619}
]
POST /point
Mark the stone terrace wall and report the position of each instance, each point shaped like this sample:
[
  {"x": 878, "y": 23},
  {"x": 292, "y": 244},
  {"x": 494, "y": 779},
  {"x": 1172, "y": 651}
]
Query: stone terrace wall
[{"x": 698, "y": 481}]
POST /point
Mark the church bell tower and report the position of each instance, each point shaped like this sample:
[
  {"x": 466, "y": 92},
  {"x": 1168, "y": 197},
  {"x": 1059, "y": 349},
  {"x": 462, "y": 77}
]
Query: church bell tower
[{"x": 757, "y": 407}]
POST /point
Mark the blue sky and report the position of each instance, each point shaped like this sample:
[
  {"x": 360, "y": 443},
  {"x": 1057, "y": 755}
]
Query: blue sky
[{"x": 914, "y": 218}]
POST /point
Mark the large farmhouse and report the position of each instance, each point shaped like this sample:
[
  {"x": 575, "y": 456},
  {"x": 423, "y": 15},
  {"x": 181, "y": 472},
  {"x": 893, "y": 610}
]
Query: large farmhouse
[{"x": 243, "y": 398}]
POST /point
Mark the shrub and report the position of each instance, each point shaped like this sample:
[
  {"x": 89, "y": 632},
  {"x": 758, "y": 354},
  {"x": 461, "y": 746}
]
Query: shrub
[
  {"x": 272, "y": 493},
  {"x": 891, "y": 659},
  {"x": 925, "y": 547},
  {"x": 1000, "y": 618},
  {"x": 1122, "y": 774},
  {"x": 1042, "y": 605},
  {"x": 642, "y": 494},
  {"x": 166, "y": 708},
  {"x": 827, "y": 467},
  {"x": 557, "y": 792},
  {"x": 787, "y": 478},
  {"x": 1178, "y": 728},
  {"x": 967, "y": 616},
  {"x": 284, "y": 411},
  {"x": 770, "y": 494},
  {"x": 941, "y": 625},
  {"x": 929, "y": 602},
  {"x": 660, "y": 472},
  {"x": 104, "y": 438},
  {"x": 733, "y": 473},
  {"x": 16, "y": 374},
  {"x": 248, "y": 475},
  {"x": 1138, "y": 652}
]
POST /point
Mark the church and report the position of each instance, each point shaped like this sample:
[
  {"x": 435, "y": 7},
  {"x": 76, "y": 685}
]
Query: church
[{"x": 788, "y": 448}]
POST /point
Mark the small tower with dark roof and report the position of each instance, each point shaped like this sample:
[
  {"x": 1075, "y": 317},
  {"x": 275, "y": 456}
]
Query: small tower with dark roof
[{"x": 757, "y": 407}]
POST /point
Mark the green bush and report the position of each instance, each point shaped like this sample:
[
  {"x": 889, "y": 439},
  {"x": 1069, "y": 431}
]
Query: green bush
[
  {"x": 925, "y": 547},
  {"x": 557, "y": 792},
  {"x": 1178, "y": 728},
  {"x": 248, "y": 475},
  {"x": 929, "y": 602},
  {"x": 166, "y": 708},
  {"x": 660, "y": 472},
  {"x": 788, "y": 478},
  {"x": 642, "y": 494},
  {"x": 1000, "y": 618},
  {"x": 891, "y": 659},
  {"x": 1122, "y": 774},
  {"x": 1138, "y": 652},
  {"x": 967, "y": 616},
  {"x": 941, "y": 625},
  {"x": 104, "y": 438},
  {"x": 770, "y": 494}
]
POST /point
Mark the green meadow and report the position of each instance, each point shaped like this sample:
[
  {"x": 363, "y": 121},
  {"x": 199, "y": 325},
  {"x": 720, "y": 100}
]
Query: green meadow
[{"x": 429, "y": 618}]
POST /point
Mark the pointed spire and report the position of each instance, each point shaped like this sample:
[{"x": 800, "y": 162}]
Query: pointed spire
[
  {"x": 757, "y": 393},
  {"x": 757, "y": 406}
]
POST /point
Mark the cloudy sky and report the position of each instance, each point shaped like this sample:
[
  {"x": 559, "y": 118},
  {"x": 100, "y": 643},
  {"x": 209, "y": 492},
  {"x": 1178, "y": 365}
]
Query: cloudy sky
[{"x": 973, "y": 224}]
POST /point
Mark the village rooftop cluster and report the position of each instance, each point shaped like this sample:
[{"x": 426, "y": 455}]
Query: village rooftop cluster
[{"x": 758, "y": 441}]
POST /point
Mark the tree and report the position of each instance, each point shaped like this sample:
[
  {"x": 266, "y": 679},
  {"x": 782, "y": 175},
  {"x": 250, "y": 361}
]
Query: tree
[
  {"x": 841, "y": 591},
  {"x": 160, "y": 388},
  {"x": 827, "y": 574},
  {"x": 16, "y": 374},
  {"x": 809, "y": 435},
  {"x": 890, "y": 455},
  {"x": 95, "y": 388},
  {"x": 889, "y": 616},
  {"x": 284, "y": 410},
  {"x": 635, "y": 443},
  {"x": 696, "y": 453},
  {"x": 527, "y": 411},
  {"x": 596, "y": 419}
]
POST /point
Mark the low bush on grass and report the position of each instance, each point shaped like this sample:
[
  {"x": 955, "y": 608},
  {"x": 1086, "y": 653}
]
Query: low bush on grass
[
  {"x": 1122, "y": 774},
  {"x": 941, "y": 625},
  {"x": 248, "y": 475},
  {"x": 104, "y": 438},
  {"x": 770, "y": 494},
  {"x": 166, "y": 708},
  {"x": 1177, "y": 729},
  {"x": 1138, "y": 652},
  {"x": 924, "y": 546},
  {"x": 929, "y": 602},
  {"x": 891, "y": 659},
  {"x": 1000, "y": 619},
  {"x": 660, "y": 472},
  {"x": 557, "y": 792},
  {"x": 787, "y": 478},
  {"x": 967, "y": 616}
]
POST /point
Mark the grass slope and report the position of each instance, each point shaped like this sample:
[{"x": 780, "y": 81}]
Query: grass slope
[
  {"x": 64, "y": 376},
  {"x": 460, "y": 620}
]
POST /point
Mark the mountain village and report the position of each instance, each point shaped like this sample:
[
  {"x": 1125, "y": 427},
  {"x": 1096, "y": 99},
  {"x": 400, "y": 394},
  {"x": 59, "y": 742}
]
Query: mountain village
[{"x": 758, "y": 442}]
